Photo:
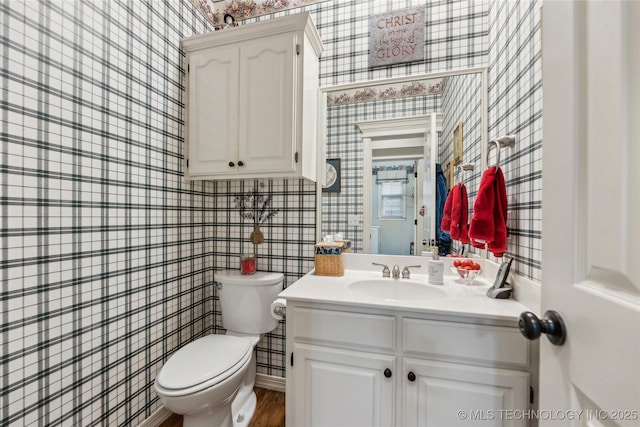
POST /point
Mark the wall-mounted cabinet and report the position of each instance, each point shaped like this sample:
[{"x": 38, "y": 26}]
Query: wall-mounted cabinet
[{"x": 251, "y": 109}]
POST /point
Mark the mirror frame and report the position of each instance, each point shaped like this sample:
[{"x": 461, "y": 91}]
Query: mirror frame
[{"x": 322, "y": 124}]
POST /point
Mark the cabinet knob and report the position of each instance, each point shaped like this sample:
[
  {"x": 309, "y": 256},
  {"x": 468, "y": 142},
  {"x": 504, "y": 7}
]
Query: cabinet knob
[
  {"x": 411, "y": 376},
  {"x": 551, "y": 324},
  {"x": 240, "y": 163},
  {"x": 387, "y": 373},
  {"x": 231, "y": 164}
]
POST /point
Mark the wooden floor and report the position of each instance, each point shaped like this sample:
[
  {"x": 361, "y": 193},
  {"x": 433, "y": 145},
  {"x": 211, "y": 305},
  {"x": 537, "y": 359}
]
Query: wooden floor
[{"x": 269, "y": 411}]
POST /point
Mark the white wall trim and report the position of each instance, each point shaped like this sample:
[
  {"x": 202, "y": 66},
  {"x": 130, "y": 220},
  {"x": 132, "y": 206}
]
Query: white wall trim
[
  {"x": 271, "y": 382},
  {"x": 157, "y": 418}
]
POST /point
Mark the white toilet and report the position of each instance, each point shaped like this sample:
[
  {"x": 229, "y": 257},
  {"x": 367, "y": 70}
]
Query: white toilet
[{"x": 210, "y": 381}]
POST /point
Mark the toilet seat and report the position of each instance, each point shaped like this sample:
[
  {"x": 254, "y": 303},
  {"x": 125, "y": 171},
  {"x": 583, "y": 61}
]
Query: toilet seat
[{"x": 204, "y": 363}]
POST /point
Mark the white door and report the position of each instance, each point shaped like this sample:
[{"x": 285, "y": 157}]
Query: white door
[
  {"x": 335, "y": 387},
  {"x": 591, "y": 205}
]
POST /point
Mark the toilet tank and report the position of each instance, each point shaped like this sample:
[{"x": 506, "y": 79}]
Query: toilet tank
[{"x": 245, "y": 300}]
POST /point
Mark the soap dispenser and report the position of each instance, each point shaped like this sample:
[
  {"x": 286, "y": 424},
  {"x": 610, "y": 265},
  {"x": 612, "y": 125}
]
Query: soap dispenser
[{"x": 436, "y": 268}]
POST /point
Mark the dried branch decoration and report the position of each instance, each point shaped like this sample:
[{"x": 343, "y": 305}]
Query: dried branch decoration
[{"x": 256, "y": 207}]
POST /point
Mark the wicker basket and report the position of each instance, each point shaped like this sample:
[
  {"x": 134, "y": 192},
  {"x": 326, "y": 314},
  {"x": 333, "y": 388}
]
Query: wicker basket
[{"x": 328, "y": 259}]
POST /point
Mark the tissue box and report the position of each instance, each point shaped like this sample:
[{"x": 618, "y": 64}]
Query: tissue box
[
  {"x": 328, "y": 257},
  {"x": 346, "y": 245}
]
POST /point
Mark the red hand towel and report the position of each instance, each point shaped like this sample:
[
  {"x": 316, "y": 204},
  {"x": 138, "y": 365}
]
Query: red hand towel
[
  {"x": 489, "y": 221},
  {"x": 445, "y": 224},
  {"x": 460, "y": 215},
  {"x": 483, "y": 222},
  {"x": 498, "y": 245}
]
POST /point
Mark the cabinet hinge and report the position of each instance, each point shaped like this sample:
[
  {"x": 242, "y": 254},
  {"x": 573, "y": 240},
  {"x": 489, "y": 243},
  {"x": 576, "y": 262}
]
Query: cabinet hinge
[
  {"x": 187, "y": 162},
  {"x": 415, "y": 222},
  {"x": 530, "y": 393},
  {"x": 298, "y": 49},
  {"x": 415, "y": 174},
  {"x": 296, "y": 157},
  {"x": 292, "y": 358},
  {"x": 188, "y": 68}
]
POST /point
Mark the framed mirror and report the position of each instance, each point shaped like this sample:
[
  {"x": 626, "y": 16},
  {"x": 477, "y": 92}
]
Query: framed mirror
[{"x": 393, "y": 136}]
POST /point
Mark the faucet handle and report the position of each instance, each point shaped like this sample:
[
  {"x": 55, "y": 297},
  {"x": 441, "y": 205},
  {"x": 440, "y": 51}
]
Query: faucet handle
[
  {"x": 405, "y": 271},
  {"x": 385, "y": 271}
]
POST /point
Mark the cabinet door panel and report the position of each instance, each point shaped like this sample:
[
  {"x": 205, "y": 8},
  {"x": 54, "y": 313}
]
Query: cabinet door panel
[
  {"x": 445, "y": 394},
  {"x": 267, "y": 113},
  {"x": 335, "y": 387},
  {"x": 212, "y": 122}
]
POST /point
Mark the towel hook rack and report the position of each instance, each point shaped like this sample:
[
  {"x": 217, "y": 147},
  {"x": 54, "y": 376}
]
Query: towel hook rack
[
  {"x": 464, "y": 167},
  {"x": 500, "y": 143}
]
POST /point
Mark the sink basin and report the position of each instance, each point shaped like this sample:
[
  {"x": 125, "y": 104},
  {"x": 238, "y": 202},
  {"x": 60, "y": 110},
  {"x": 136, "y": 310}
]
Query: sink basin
[{"x": 396, "y": 289}]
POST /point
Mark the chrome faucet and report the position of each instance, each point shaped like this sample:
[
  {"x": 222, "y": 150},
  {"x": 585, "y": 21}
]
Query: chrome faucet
[
  {"x": 406, "y": 273},
  {"x": 385, "y": 270},
  {"x": 396, "y": 272}
]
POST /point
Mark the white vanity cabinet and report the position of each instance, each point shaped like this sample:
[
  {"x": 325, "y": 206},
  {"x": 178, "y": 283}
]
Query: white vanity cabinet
[
  {"x": 251, "y": 108},
  {"x": 360, "y": 366}
]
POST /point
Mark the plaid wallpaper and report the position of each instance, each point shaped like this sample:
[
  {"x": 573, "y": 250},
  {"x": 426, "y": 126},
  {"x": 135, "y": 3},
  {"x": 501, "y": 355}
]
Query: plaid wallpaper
[
  {"x": 515, "y": 108},
  {"x": 108, "y": 254}
]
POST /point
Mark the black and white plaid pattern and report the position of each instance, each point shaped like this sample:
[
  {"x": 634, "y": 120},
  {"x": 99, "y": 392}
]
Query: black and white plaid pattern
[
  {"x": 108, "y": 255},
  {"x": 288, "y": 246},
  {"x": 462, "y": 102},
  {"x": 515, "y": 108},
  {"x": 502, "y": 35}
]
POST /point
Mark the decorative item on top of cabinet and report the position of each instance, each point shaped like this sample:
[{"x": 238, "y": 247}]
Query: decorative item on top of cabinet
[{"x": 252, "y": 101}]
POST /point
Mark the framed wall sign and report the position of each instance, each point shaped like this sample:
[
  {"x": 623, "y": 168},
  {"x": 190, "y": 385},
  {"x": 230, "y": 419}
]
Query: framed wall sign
[
  {"x": 457, "y": 144},
  {"x": 397, "y": 37},
  {"x": 332, "y": 176}
]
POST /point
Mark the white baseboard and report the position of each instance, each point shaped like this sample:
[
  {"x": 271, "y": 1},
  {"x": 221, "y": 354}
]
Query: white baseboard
[
  {"x": 157, "y": 418},
  {"x": 270, "y": 382}
]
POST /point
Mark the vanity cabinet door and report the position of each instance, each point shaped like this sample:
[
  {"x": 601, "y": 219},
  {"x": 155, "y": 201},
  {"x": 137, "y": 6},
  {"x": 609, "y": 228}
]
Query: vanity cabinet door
[
  {"x": 336, "y": 387},
  {"x": 446, "y": 394}
]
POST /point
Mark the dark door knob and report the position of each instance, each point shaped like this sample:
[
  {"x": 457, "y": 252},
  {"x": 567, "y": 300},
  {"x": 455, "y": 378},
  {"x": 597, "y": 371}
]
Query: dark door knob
[
  {"x": 240, "y": 163},
  {"x": 411, "y": 376},
  {"x": 387, "y": 373},
  {"x": 551, "y": 325},
  {"x": 231, "y": 164}
]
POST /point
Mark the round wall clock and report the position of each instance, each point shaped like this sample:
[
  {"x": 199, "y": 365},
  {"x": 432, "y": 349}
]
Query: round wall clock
[{"x": 332, "y": 175}]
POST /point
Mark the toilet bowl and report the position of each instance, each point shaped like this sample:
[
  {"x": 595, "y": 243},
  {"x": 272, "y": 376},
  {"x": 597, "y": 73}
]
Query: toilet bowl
[{"x": 210, "y": 380}]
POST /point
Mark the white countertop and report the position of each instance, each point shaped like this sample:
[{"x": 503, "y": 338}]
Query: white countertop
[{"x": 460, "y": 300}]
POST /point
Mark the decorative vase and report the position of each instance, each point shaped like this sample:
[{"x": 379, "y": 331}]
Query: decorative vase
[{"x": 256, "y": 236}]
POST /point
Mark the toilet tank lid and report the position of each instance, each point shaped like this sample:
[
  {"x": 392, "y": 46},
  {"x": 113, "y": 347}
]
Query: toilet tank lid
[{"x": 235, "y": 277}]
